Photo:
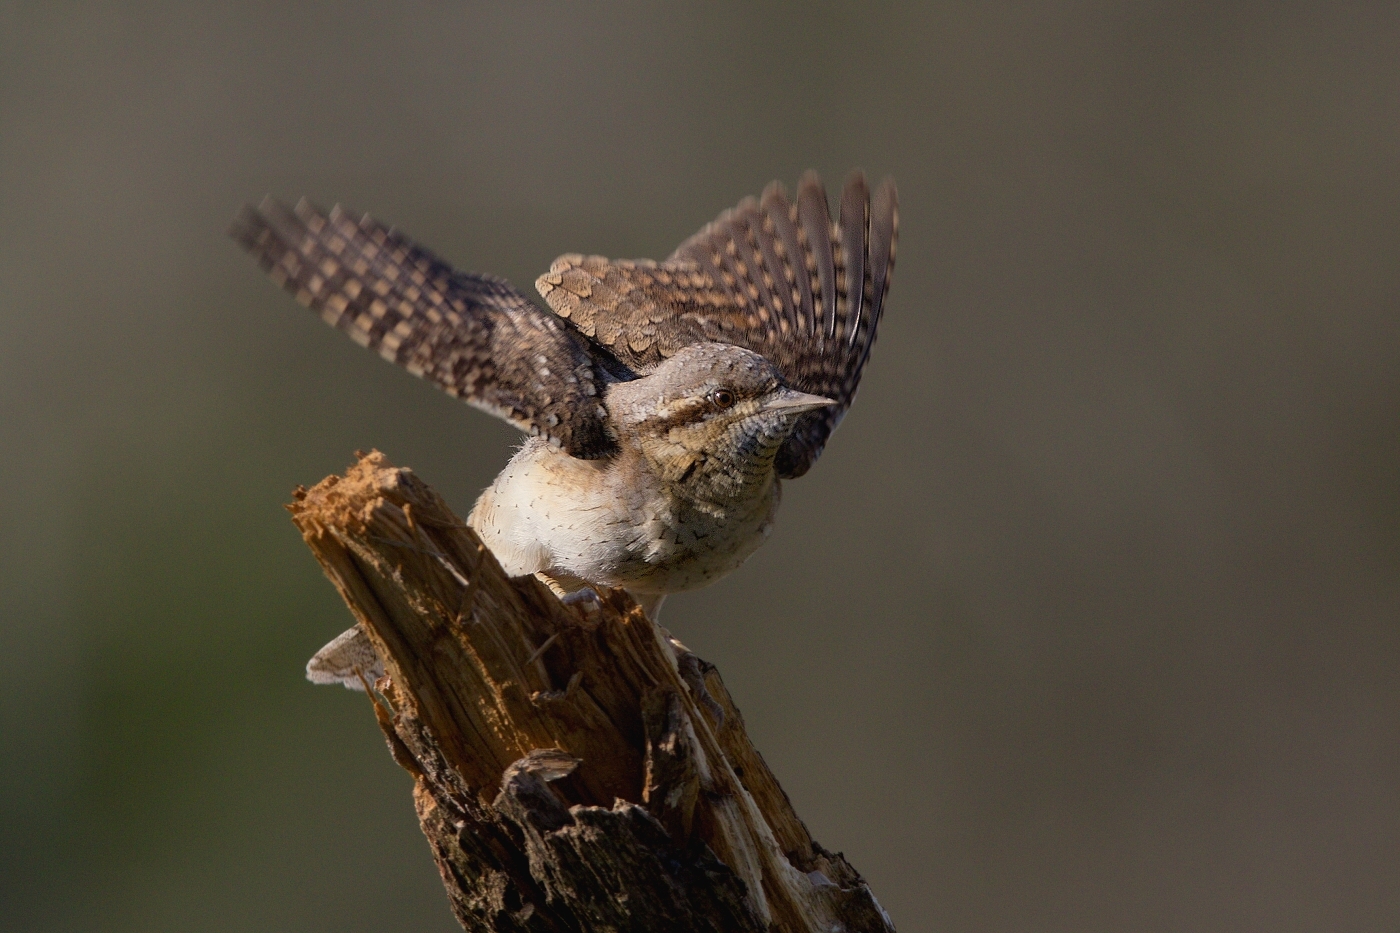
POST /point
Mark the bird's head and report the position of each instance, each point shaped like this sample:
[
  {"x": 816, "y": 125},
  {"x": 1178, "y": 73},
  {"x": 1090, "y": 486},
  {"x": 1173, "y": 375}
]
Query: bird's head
[{"x": 712, "y": 413}]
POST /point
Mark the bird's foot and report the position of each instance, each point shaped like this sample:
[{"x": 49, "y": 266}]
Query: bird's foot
[{"x": 587, "y": 598}]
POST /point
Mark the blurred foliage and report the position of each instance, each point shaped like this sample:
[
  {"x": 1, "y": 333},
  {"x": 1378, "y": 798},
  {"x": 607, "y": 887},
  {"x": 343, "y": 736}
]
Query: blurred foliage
[{"x": 1121, "y": 483}]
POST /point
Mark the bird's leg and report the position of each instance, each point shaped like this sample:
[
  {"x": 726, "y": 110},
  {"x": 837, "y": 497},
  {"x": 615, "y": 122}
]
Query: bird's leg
[
  {"x": 650, "y": 603},
  {"x": 691, "y": 668},
  {"x": 571, "y": 591},
  {"x": 586, "y": 597}
]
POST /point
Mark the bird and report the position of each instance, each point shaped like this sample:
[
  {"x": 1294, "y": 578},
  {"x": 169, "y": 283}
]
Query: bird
[{"x": 665, "y": 402}]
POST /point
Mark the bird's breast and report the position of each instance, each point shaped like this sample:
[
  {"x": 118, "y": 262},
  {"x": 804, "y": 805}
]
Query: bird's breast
[{"x": 617, "y": 523}]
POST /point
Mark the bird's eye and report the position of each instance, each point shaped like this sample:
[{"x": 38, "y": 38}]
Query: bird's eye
[{"x": 722, "y": 398}]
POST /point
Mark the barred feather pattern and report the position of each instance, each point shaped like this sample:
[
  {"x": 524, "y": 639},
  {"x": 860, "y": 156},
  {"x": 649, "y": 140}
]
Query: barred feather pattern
[
  {"x": 778, "y": 277},
  {"x": 773, "y": 275},
  {"x": 475, "y": 336}
]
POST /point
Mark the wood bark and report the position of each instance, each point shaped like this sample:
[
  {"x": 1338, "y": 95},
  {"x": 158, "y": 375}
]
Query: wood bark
[{"x": 575, "y": 768}]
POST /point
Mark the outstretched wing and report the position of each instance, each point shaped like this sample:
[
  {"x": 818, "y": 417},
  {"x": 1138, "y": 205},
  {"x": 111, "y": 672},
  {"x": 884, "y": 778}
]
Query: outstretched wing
[
  {"x": 474, "y": 335},
  {"x": 774, "y": 276}
]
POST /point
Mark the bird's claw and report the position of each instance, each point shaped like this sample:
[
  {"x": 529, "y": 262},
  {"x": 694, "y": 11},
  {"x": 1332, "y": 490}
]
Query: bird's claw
[{"x": 587, "y": 598}]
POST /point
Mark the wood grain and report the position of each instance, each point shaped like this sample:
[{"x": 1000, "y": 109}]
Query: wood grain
[{"x": 567, "y": 776}]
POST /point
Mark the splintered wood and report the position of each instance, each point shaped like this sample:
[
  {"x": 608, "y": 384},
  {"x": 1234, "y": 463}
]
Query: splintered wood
[{"x": 575, "y": 768}]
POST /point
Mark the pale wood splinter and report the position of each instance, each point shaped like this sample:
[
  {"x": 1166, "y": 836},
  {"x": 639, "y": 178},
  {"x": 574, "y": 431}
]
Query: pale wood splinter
[{"x": 566, "y": 776}]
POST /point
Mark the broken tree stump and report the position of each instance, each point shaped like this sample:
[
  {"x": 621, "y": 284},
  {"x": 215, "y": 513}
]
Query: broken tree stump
[{"x": 567, "y": 775}]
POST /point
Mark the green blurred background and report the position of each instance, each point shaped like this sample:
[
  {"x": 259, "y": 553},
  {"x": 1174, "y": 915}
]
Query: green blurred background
[{"x": 1087, "y": 620}]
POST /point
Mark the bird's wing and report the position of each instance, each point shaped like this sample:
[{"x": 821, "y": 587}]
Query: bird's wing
[
  {"x": 474, "y": 335},
  {"x": 772, "y": 275}
]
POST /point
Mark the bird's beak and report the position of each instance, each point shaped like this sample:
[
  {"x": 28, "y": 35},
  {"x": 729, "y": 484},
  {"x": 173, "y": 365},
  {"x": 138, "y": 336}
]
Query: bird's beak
[{"x": 790, "y": 401}]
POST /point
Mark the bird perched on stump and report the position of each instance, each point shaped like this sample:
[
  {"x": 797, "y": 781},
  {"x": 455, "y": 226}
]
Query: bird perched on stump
[{"x": 665, "y": 400}]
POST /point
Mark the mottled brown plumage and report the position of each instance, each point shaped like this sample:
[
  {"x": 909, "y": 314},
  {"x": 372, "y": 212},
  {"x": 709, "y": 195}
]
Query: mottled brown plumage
[
  {"x": 668, "y": 399},
  {"x": 473, "y": 335},
  {"x": 773, "y": 276}
]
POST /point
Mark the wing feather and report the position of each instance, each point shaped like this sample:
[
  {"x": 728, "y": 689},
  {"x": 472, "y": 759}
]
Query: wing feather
[
  {"x": 474, "y": 336},
  {"x": 853, "y": 235},
  {"x": 768, "y": 241},
  {"x": 774, "y": 276}
]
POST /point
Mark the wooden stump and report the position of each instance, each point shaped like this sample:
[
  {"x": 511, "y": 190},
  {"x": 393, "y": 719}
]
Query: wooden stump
[{"x": 575, "y": 768}]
